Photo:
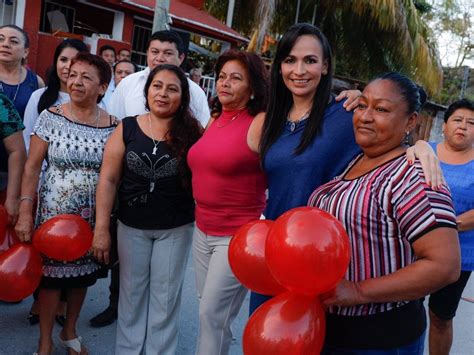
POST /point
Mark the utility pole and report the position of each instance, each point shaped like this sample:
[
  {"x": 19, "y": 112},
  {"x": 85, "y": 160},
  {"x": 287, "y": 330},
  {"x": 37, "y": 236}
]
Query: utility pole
[
  {"x": 160, "y": 19},
  {"x": 230, "y": 13},
  {"x": 297, "y": 11}
]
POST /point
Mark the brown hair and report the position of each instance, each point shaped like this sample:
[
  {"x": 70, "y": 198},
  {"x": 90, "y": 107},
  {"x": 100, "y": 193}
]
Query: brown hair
[{"x": 258, "y": 78}]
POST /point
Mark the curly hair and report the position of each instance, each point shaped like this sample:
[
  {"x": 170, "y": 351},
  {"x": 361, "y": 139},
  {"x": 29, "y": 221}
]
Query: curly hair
[
  {"x": 258, "y": 78},
  {"x": 184, "y": 128}
]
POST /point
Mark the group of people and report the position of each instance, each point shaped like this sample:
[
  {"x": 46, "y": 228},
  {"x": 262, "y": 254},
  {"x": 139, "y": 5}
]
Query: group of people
[{"x": 177, "y": 175}]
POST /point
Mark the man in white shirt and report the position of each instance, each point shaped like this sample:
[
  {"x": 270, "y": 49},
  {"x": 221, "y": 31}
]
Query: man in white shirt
[{"x": 164, "y": 47}]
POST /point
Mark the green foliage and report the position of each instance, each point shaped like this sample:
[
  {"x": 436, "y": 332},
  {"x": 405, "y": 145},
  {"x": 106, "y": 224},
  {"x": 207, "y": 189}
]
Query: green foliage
[{"x": 367, "y": 36}]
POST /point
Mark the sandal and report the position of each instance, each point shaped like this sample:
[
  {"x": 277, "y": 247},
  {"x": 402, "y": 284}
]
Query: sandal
[{"x": 74, "y": 344}]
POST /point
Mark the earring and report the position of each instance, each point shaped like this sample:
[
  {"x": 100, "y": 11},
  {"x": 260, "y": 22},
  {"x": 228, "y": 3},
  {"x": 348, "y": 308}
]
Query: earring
[
  {"x": 407, "y": 138},
  {"x": 252, "y": 97}
]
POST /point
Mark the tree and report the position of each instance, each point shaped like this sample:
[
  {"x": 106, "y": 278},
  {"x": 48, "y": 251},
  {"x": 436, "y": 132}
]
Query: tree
[
  {"x": 367, "y": 36},
  {"x": 452, "y": 22}
]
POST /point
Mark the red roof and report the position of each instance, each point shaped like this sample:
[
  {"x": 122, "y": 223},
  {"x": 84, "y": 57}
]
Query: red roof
[{"x": 193, "y": 19}]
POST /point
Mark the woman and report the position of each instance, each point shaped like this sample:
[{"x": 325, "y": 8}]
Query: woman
[
  {"x": 307, "y": 136},
  {"x": 229, "y": 189},
  {"x": 71, "y": 137},
  {"x": 56, "y": 91},
  {"x": 16, "y": 81},
  {"x": 145, "y": 160},
  {"x": 402, "y": 232},
  {"x": 12, "y": 141},
  {"x": 456, "y": 154}
]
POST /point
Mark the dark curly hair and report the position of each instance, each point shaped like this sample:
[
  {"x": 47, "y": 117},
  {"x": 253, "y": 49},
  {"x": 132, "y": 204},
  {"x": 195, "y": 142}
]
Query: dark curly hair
[
  {"x": 184, "y": 128},
  {"x": 456, "y": 105},
  {"x": 258, "y": 80}
]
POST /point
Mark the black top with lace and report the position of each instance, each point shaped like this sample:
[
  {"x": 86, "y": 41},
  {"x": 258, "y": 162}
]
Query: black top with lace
[{"x": 151, "y": 194}]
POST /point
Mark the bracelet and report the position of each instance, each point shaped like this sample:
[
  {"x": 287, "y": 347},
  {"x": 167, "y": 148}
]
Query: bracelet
[{"x": 26, "y": 198}]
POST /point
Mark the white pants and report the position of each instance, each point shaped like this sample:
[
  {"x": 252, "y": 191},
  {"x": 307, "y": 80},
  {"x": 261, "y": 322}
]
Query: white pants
[
  {"x": 152, "y": 268},
  {"x": 221, "y": 294}
]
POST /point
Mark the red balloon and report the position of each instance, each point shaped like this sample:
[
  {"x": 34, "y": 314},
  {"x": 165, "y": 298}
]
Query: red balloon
[
  {"x": 9, "y": 240},
  {"x": 63, "y": 237},
  {"x": 287, "y": 324},
  {"x": 307, "y": 250},
  {"x": 3, "y": 224},
  {"x": 20, "y": 272},
  {"x": 247, "y": 258}
]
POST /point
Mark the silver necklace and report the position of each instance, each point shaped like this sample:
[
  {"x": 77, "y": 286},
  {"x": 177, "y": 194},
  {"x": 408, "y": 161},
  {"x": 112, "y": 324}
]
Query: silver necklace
[
  {"x": 155, "y": 143},
  {"x": 294, "y": 123},
  {"x": 17, "y": 86},
  {"x": 97, "y": 116}
]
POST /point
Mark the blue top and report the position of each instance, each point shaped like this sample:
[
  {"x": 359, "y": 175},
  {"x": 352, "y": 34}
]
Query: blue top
[
  {"x": 460, "y": 179},
  {"x": 25, "y": 90},
  {"x": 292, "y": 178}
]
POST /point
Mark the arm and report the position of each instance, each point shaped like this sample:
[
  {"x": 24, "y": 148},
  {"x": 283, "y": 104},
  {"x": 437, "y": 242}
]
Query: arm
[
  {"x": 115, "y": 105},
  {"x": 29, "y": 118},
  {"x": 437, "y": 265},
  {"x": 429, "y": 162},
  {"x": 109, "y": 179},
  {"x": 29, "y": 184},
  {"x": 255, "y": 132},
  {"x": 352, "y": 97},
  {"x": 465, "y": 221},
  {"x": 15, "y": 148}
]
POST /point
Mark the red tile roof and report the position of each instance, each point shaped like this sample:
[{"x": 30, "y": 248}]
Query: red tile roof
[{"x": 193, "y": 19}]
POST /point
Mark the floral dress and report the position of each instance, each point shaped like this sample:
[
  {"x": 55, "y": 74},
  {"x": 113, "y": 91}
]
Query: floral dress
[{"x": 74, "y": 158}]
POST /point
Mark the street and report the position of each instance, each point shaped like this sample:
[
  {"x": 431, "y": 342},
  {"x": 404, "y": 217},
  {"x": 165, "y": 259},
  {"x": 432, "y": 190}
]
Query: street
[{"x": 17, "y": 336}]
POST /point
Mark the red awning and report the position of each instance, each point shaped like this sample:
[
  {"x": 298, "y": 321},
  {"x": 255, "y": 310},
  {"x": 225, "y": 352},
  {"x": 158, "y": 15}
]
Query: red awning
[{"x": 193, "y": 19}]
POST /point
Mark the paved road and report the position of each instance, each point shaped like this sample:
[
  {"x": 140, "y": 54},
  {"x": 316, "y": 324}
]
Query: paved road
[{"x": 18, "y": 337}]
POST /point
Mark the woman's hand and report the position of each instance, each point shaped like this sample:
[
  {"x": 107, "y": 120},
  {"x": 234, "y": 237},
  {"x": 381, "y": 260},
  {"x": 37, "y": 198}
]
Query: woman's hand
[
  {"x": 12, "y": 206},
  {"x": 465, "y": 221},
  {"x": 346, "y": 293},
  {"x": 352, "y": 97},
  {"x": 24, "y": 227},
  {"x": 429, "y": 163},
  {"x": 101, "y": 245}
]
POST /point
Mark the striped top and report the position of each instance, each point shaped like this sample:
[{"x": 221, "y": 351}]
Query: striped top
[{"x": 383, "y": 211}]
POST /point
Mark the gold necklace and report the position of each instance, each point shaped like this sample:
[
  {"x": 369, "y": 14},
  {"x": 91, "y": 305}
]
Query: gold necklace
[{"x": 231, "y": 120}]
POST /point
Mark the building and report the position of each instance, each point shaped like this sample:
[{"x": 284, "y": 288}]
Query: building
[{"x": 120, "y": 23}]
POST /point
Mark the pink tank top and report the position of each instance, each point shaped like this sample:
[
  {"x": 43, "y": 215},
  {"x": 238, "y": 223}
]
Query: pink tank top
[{"x": 228, "y": 183}]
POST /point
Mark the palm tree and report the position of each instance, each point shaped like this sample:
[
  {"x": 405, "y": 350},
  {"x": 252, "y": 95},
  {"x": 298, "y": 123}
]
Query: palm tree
[{"x": 368, "y": 36}]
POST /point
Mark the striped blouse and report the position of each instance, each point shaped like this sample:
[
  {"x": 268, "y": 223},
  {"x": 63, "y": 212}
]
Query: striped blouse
[{"x": 384, "y": 211}]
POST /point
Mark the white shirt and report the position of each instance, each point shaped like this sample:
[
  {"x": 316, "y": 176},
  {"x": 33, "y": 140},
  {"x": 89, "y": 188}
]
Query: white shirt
[
  {"x": 108, "y": 95},
  {"x": 128, "y": 98},
  {"x": 31, "y": 112}
]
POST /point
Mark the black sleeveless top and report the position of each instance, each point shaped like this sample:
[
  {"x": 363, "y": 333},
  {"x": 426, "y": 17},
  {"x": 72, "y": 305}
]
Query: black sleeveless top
[{"x": 151, "y": 193}]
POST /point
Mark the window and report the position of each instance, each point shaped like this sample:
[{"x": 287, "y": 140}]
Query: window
[
  {"x": 141, "y": 35},
  {"x": 7, "y": 12},
  {"x": 56, "y": 17}
]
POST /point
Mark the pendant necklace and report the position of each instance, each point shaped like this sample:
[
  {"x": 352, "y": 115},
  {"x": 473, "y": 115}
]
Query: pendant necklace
[
  {"x": 17, "y": 87},
  {"x": 294, "y": 123},
  {"x": 231, "y": 120},
  {"x": 155, "y": 143}
]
